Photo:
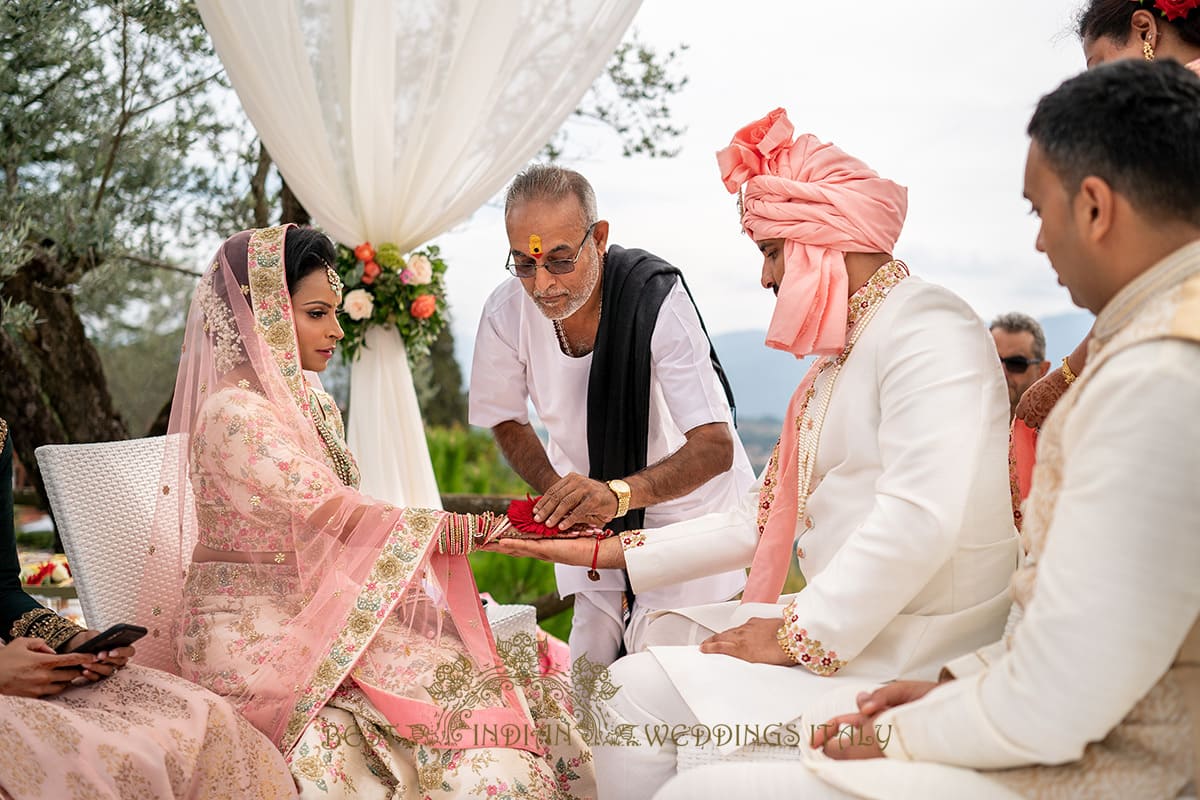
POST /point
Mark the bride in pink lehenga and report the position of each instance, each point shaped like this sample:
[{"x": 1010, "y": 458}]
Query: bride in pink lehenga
[{"x": 346, "y": 629}]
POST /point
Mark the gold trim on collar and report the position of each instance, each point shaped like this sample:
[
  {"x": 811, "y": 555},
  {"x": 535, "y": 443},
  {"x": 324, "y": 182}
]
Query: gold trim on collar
[{"x": 1127, "y": 303}]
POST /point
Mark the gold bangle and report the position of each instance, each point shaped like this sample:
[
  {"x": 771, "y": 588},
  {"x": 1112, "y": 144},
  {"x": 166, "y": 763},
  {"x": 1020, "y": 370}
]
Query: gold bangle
[
  {"x": 786, "y": 644},
  {"x": 1067, "y": 374}
]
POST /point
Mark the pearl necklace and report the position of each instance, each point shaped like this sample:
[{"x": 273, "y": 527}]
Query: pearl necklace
[{"x": 811, "y": 421}]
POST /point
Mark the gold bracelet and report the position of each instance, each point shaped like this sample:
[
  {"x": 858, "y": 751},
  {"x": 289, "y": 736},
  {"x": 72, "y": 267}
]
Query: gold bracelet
[
  {"x": 1067, "y": 374},
  {"x": 786, "y": 644}
]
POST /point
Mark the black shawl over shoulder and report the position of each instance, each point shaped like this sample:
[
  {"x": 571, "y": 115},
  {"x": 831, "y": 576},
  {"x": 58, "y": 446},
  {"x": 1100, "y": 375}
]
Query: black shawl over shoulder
[{"x": 618, "y": 400}]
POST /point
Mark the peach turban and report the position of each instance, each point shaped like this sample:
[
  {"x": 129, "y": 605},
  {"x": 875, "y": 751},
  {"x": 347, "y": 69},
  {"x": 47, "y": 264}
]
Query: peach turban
[{"x": 824, "y": 203}]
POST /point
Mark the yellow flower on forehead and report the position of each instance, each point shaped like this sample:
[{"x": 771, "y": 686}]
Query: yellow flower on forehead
[{"x": 535, "y": 244}]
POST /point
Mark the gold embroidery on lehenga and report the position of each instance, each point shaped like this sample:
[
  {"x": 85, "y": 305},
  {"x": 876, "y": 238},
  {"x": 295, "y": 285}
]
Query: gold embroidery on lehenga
[{"x": 378, "y": 597}]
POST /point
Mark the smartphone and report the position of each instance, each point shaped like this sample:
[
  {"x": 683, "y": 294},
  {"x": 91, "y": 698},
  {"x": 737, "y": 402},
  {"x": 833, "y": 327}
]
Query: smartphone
[{"x": 119, "y": 635}]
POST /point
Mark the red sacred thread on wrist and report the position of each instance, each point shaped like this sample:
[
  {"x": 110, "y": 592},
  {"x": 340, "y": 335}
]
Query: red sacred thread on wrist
[{"x": 593, "y": 574}]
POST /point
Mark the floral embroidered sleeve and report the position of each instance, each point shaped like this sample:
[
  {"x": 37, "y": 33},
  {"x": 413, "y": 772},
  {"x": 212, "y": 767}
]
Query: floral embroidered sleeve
[{"x": 802, "y": 648}]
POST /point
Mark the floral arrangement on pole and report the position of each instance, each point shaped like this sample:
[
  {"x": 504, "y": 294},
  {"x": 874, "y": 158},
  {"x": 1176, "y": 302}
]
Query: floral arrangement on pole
[{"x": 385, "y": 288}]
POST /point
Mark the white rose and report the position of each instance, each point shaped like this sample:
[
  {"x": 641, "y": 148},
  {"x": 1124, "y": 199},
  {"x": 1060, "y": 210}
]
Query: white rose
[
  {"x": 421, "y": 270},
  {"x": 358, "y": 305}
]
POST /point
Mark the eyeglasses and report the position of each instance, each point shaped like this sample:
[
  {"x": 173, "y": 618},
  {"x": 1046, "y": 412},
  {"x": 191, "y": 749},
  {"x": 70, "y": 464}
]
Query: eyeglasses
[
  {"x": 1018, "y": 364},
  {"x": 527, "y": 267}
]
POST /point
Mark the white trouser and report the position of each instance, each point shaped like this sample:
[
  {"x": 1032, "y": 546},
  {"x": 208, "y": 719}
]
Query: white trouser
[
  {"x": 646, "y": 699},
  {"x": 598, "y": 629},
  {"x": 762, "y": 780}
]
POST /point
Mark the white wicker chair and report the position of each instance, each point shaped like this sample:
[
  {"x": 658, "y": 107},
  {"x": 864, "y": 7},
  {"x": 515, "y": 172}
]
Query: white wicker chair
[
  {"x": 509, "y": 620},
  {"x": 103, "y": 498}
]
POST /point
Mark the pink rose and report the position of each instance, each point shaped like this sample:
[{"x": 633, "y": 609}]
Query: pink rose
[
  {"x": 423, "y": 307},
  {"x": 358, "y": 305},
  {"x": 421, "y": 270},
  {"x": 755, "y": 149}
]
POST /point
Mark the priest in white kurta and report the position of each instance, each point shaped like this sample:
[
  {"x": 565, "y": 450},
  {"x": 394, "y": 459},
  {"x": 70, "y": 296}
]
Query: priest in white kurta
[
  {"x": 1094, "y": 692},
  {"x": 525, "y": 358},
  {"x": 895, "y": 490}
]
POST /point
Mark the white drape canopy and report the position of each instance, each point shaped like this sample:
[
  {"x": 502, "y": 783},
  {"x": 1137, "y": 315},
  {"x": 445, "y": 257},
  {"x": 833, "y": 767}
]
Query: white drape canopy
[{"x": 393, "y": 120}]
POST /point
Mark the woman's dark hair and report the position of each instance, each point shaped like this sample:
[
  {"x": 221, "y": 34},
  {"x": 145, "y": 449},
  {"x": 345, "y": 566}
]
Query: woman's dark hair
[
  {"x": 1109, "y": 19},
  {"x": 305, "y": 250}
]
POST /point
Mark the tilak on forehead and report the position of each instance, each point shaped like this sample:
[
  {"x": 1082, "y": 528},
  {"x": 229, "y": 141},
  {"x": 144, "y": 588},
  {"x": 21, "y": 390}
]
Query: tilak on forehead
[{"x": 535, "y": 244}]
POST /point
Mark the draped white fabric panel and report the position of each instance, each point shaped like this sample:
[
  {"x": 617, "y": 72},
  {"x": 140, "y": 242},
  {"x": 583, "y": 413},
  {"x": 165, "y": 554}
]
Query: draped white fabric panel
[
  {"x": 385, "y": 430},
  {"x": 393, "y": 120}
]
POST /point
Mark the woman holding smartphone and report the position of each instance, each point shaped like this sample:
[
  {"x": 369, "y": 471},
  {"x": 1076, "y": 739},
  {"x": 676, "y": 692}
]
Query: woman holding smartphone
[{"x": 81, "y": 724}]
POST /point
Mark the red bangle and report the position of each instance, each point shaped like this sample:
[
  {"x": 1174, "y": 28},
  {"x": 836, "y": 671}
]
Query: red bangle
[{"x": 593, "y": 574}]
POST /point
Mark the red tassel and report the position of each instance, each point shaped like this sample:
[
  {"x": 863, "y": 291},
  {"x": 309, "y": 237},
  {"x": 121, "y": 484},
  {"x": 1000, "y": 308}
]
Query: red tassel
[{"x": 520, "y": 514}]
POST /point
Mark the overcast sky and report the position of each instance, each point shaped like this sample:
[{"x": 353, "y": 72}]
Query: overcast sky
[{"x": 934, "y": 95}]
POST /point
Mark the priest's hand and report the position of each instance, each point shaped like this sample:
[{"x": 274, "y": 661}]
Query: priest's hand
[
  {"x": 576, "y": 500},
  {"x": 30, "y": 668},
  {"x": 574, "y": 552},
  {"x": 754, "y": 641}
]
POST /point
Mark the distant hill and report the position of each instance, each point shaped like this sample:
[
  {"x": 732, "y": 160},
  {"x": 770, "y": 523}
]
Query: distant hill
[{"x": 763, "y": 379}]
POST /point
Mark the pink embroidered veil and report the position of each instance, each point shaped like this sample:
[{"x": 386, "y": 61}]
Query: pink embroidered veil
[{"x": 275, "y": 498}]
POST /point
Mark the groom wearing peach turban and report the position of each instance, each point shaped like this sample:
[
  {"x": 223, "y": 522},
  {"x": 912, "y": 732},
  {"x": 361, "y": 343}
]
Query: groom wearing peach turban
[{"x": 889, "y": 480}]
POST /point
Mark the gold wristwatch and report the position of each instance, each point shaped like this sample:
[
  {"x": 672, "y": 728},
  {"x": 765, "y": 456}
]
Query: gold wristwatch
[{"x": 621, "y": 489}]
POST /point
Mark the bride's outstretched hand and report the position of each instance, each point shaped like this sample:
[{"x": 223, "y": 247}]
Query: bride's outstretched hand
[{"x": 575, "y": 552}]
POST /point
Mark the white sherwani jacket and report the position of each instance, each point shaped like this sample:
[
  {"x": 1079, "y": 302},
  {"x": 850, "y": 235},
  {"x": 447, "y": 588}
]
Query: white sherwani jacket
[{"x": 908, "y": 541}]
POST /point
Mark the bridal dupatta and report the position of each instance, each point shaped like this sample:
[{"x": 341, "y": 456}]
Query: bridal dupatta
[{"x": 247, "y": 476}]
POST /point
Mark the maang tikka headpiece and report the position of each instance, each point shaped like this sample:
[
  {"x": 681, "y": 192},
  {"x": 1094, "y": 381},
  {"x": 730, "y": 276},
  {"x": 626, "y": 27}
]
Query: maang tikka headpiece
[{"x": 335, "y": 280}]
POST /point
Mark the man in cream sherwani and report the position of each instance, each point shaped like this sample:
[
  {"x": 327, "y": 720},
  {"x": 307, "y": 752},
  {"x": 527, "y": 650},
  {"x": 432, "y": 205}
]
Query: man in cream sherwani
[
  {"x": 1095, "y": 691},
  {"x": 891, "y": 472}
]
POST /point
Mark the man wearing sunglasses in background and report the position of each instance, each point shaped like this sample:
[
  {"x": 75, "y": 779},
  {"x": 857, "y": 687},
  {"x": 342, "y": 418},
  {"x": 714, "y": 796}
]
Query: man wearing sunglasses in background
[
  {"x": 1021, "y": 344},
  {"x": 607, "y": 345},
  {"x": 1022, "y": 347}
]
